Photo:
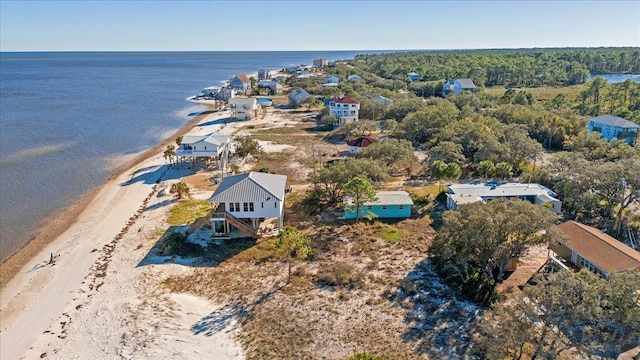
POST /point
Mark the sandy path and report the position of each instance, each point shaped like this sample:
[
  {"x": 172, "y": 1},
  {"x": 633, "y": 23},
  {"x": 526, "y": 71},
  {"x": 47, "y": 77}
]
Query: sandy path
[{"x": 95, "y": 300}]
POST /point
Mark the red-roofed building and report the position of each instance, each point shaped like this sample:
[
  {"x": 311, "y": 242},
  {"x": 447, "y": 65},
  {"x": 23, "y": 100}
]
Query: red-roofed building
[
  {"x": 590, "y": 248},
  {"x": 241, "y": 83},
  {"x": 345, "y": 109},
  {"x": 356, "y": 145}
]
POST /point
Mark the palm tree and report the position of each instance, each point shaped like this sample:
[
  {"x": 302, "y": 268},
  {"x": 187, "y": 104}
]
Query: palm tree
[
  {"x": 169, "y": 153},
  {"x": 181, "y": 189}
]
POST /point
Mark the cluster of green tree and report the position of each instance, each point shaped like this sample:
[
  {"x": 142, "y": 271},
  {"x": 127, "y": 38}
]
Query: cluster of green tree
[
  {"x": 513, "y": 68},
  {"x": 620, "y": 99},
  {"x": 564, "y": 315},
  {"x": 597, "y": 191},
  {"x": 476, "y": 243}
]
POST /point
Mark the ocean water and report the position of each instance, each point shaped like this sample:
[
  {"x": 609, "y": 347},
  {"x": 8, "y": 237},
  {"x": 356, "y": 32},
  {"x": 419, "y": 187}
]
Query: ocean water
[{"x": 65, "y": 117}]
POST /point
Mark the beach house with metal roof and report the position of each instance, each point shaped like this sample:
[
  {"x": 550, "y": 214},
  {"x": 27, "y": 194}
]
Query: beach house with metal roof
[
  {"x": 457, "y": 86},
  {"x": 212, "y": 146},
  {"x": 354, "y": 78},
  {"x": 383, "y": 100},
  {"x": 389, "y": 204},
  {"x": 243, "y": 108},
  {"x": 244, "y": 201},
  {"x": 413, "y": 76},
  {"x": 297, "y": 97},
  {"x": 589, "y": 248},
  {"x": 614, "y": 127},
  {"x": 332, "y": 79},
  {"x": 460, "y": 194},
  {"x": 345, "y": 109}
]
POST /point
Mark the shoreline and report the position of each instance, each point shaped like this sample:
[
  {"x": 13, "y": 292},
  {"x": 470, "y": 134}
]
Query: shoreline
[{"x": 53, "y": 226}]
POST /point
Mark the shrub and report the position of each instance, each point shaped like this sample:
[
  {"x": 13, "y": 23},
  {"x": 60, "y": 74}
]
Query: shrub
[
  {"x": 339, "y": 274},
  {"x": 365, "y": 356},
  {"x": 176, "y": 244}
]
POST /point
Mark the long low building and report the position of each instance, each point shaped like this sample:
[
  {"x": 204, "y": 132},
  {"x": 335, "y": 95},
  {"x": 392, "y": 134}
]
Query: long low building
[
  {"x": 589, "y": 248},
  {"x": 460, "y": 194},
  {"x": 389, "y": 204}
]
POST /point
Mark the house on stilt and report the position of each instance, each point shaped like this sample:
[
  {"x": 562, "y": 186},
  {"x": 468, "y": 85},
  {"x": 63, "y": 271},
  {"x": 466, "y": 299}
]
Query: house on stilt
[{"x": 243, "y": 202}]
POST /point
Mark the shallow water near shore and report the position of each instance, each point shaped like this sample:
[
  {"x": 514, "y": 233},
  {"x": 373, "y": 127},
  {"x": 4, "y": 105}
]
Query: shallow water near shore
[{"x": 69, "y": 119}]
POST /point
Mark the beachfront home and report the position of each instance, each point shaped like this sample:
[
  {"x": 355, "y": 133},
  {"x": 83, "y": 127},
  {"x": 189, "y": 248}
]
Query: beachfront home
[
  {"x": 246, "y": 200},
  {"x": 320, "y": 63},
  {"x": 264, "y": 74},
  {"x": 457, "y": 86},
  {"x": 413, "y": 76},
  {"x": 297, "y": 97},
  {"x": 460, "y": 194},
  {"x": 613, "y": 127},
  {"x": 241, "y": 84},
  {"x": 210, "y": 146},
  {"x": 354, "y": 78},
  {"x": 345, "y": 109},
  {"x": 383, "y": 100},
  {"x": 356, "y": 145},
  {"x": 211, "y": 91},
  {"x": 272, "y": 87},
  {"x": 388, "y": 205},
  {"x": 589, "y": 248},
  {"x": 243, "y": 108}
]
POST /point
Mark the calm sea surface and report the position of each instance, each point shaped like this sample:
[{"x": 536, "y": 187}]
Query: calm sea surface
[{"x": 64, "y": 117}]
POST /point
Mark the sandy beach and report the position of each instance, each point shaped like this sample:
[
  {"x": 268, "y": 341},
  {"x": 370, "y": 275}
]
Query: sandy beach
[{"x": 87, "y": 294}]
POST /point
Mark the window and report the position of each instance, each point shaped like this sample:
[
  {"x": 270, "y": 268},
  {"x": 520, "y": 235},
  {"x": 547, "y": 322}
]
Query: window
[
  {"x": 369, "y": 208},
  {"x": 262, "y": 205},
  {"x": 384, "y": 207},
  {"x": 400, "y": 207},
  {"x": 245, "y": 206},
  {"x": 275, "y": 204},
  {"x": 251, "y": 206},
  {"x": 237, "y": 206}
]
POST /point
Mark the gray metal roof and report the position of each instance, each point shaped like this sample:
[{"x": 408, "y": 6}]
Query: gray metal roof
[
  {"x": 616, "y": 121},
  {"x": 389, "y": 198},
  {"x": 250, "y": 187},
  {"x": 491, "y": 190},
  {"x": 466, "y": 83},
  {"x": 213, "y": 139}
]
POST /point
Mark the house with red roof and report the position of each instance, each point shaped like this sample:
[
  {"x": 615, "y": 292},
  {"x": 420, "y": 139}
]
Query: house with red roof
[
  {"x": 589, "y": 248},
  {"x": 345, "y": 109},
  {"x": 356, "y": 145},
  {"x": 241, "y": 84}
]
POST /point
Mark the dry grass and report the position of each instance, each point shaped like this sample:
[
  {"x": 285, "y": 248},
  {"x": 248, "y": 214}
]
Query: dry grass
[
  {"x": 541, "y": 93},
  {"x": 359, "y": 292},
  {"x": 186, "y": 212}
]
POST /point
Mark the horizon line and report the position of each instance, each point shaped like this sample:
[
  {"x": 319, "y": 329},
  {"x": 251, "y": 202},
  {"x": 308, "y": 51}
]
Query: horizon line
[{"x": 326, "y": 50}]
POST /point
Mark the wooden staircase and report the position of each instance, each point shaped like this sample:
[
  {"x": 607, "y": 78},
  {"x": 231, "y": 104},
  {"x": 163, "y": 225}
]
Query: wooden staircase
[{"x": 241, "y": 225}]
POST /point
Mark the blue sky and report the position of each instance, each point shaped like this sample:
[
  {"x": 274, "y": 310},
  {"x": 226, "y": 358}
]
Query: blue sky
[{"x": 314, "y": 25}]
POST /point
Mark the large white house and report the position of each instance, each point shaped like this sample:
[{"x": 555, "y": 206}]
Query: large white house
[
  {"x": 244, "y": 201},
  {"x": 214, "y": 146},
  {"x": 457, "y": 86},
  {"x": 243, "y": 108},
  {"x": 345, "y": 109},
  {"x": 460, "y": 194}
]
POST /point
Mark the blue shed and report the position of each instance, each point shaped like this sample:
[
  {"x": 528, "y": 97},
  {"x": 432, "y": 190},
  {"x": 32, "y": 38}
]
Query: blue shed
[{"x": 390, "y": 204}]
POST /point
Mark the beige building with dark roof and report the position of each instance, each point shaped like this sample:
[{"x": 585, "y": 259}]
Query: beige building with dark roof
[{"x": 590, "y": 248}]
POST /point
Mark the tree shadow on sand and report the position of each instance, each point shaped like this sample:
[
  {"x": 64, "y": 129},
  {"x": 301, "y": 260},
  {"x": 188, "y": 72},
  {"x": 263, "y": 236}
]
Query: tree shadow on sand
[
  {"x": 210, "y": 252},
  {"x": 441, "y": 324},
  {"x": 155, "y": 174},
  {"x": 222, "y": 318}
]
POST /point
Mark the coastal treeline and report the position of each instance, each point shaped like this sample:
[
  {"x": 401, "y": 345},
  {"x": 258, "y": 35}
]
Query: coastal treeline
[{"x": 515, "y": 68}]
